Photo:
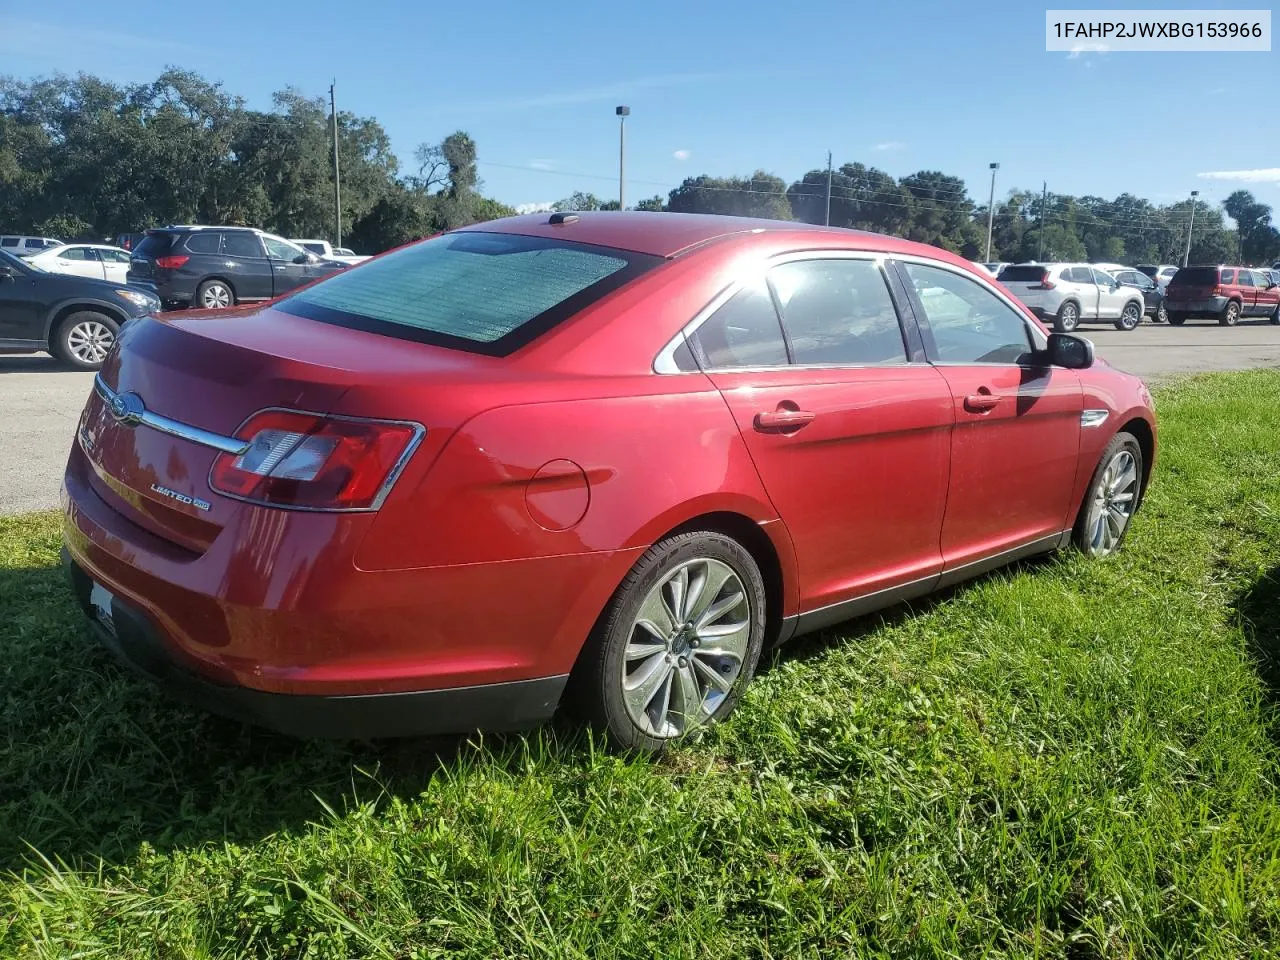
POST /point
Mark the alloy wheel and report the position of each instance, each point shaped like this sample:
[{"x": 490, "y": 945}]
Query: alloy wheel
[
  {"x": 216, "y": 295},
  {"x": 90, "y": 341},
  {"x": 1114, "y": 501},
  {"x": 686, "y": 649},
  {"x": 1130, "y": 317}
]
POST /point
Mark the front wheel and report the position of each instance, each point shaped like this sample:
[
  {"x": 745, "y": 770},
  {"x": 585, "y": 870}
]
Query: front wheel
[
  {"x": 1162, "y": 315},
  {"x": 84, "y": 339},
  {"x": 1230, "y": 314},
  {"x": 1112, "y": 498},
  {"x": 1275, "y": 315},
  {"x": 1130, "y": 317},
  {"x": 1177, "y": 319},
  {"x": 1068, "y": 318},
  {"x": 678, "y": 644}
]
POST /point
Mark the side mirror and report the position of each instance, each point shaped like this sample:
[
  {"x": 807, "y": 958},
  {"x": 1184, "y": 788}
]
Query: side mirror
[
  {"x": 1069, "y": 351},
  {"x": 302, "y": 258},
  {"x": 6, "y": 272}
]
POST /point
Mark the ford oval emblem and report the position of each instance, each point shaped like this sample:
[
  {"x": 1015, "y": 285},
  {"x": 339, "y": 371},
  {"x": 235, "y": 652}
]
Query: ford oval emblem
[{"x": 127, "y": 408}]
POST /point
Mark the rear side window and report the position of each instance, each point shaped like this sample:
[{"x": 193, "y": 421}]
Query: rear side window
[
  {"x": 745, "y": 332},
  {"x": 9, "y": 242},
  {"x": 203, "y": 242},
  {"x": 1017, "y": 274},
  {"x": 484, "y": 292},
  {"x": 241, "y": 245},
  {"x": 1195, "y": 277},
  {"x": 1246, "y": 279},
  {"x": 78, "y": 253},
  {"x": 1078, "y": 275},
  {"x": 1228, "y": 276},
  {"x": 838, "y": 312},
  {"x": 153, "y": 245}
]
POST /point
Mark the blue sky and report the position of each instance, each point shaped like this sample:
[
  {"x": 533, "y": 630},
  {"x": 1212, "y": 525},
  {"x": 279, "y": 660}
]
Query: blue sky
[{"x": 714, "y": 87}]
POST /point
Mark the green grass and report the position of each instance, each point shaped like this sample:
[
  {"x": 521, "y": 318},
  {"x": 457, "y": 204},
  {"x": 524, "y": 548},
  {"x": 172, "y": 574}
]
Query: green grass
[{"x": 1068, "y": 759}]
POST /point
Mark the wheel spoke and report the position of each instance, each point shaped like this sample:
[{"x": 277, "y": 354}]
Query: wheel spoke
[
  {"x": 718, "y": 610},
  {"x": 655, "y": 617},
  {"x": 1123, "y": 497},
  {"x": 641, "y": 688},
  {"x": 690, "y": 706},
  {"x": 677, "y": 589},
  {"x": 705, "y": 590},
  {"x": 638, "y": 650},
  {"x": 721, "y": 681},
  {"x": 727, "y": 640}
]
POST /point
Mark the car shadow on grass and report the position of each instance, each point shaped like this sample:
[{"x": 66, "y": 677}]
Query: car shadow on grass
[
  {"x": 1259, "y": 611},
  {"x": 96, "y": 762}
]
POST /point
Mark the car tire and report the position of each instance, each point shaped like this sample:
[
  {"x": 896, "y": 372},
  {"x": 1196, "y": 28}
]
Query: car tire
[
  {"x": 1230, "y": 314},
  {"x": 642, "y": 668},
  {"x": 1130, "y": 316},
  {"x": 214, "y": 295},
  {"x": 83, "y": 339},
  {"x": 1275, "y": 315},
  {"x": 1161, "y": 314},
  {"x": 1177, "y": 319},
  {"x": 1111, "y": 499},
  {"x": 1068, "y": 317}
]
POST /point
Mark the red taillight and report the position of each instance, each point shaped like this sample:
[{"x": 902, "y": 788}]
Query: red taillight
[
  {"x": 322, "y": 463},
  {"x": 172, "y": 263},
  {"x": 1046, "y": 283}
]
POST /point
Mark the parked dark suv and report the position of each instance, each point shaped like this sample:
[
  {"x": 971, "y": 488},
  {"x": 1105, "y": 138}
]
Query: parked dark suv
[
  {"x": 222, "y": 266},
  {"x": 74, "y": 318}
]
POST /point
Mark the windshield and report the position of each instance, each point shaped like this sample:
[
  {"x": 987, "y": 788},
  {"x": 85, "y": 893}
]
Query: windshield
[
  {"x": 9, "y": 260},
  {"x": 484, "y": 292}
]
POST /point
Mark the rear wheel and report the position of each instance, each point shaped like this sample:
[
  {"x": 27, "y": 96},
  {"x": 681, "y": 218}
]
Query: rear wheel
[
  {"x": 1230, "y": 314},
  {"x": 1130, "y": 317},
  {"x": 1112, "y": 498},
  {"x": 215, "y": 294},
  {"x": 678, "y": 644},
  {"x": 1161, "y": 315},
  {"x": 84, "y": 339},
  {"x": 1177, "y": 319},
  {"x": 1068, "y": 317}
]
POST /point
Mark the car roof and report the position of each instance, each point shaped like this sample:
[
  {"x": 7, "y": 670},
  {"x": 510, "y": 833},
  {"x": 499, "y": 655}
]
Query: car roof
[{"x": 671, "y": 234}]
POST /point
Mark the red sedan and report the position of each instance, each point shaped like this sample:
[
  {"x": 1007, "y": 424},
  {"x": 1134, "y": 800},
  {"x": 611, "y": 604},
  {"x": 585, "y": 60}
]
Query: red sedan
[{"x": 605, "y": 457}]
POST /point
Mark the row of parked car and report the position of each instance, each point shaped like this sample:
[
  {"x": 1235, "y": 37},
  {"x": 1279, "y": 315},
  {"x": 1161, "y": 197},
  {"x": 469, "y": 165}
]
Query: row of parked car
[
  {"x": 1067, "y": 294},
  {"x": 72, "y": 298}
]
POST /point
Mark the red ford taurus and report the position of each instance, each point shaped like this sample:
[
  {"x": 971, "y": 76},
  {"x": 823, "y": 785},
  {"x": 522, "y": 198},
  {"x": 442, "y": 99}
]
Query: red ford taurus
[{"x": 607, "y": 456}]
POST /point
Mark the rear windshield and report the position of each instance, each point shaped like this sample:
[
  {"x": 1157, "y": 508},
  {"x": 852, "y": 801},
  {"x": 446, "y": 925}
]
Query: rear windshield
[
  {"x": 484, "y": 292},
  {"x": 1148, "y": 269},
  {"x": 1018, "y": 274},
  {"x": 1195, "y": 277},
  {"x": 153, "y": 245}
]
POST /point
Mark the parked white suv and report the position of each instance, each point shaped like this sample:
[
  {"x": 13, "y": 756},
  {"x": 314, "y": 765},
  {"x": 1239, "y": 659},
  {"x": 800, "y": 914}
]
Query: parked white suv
[
  {"x": 1064, "y": 294},
  {"x": 322, "y": 249}
]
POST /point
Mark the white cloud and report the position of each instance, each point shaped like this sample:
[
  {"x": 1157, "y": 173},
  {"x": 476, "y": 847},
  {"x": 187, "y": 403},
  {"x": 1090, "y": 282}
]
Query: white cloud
[
  {"x": 541, "y": 163},
  {"x": 681, "y": 154},
  {"x": 1078, "y": 50},
  {"x": 891, "y": 145},
  {"x": 541, "y": 206},
  {"x": 1261, "y": 175}
]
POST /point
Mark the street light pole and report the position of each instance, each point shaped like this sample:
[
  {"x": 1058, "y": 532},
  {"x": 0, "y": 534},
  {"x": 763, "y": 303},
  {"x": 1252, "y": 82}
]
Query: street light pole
[
  {"x": 827, "y": 220},
  {"x": 1190, "y": 226},
  {"x": 991, "y": 209},
  {"x": 337, "y": 183},
  {"x": 623, "y": 113}
]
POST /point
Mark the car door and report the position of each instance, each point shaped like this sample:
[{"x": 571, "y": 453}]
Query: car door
[
  {"x": 849, "y": 432},
  {"x": 286, "y": 273},
  {"x": 79, "y": 262},
  {"x": 115, "y": 265},
  {"x": 21, "y": 303},
  {"x": 1140, "y": 281},
  {"x": 1111, "y": 295},
  {"x": 245, "y": 262},
  {"x": 1017, "y": 434},
  {"x": 1085, "y": 290},
  {"x": 1248, "y": 293},
  {"x": 1268, "y": 292}
]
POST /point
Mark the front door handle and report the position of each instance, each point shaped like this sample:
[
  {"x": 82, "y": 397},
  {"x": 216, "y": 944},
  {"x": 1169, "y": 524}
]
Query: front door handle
[
  {"x": 782, "y": 420},
  {"x": 982, "y": 401}
]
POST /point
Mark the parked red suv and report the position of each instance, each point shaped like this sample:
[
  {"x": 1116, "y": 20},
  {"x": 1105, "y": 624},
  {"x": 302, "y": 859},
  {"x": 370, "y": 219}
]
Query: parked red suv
[
  {"x": 615, "y": 453},
  {"x": 1226, "y": 293}
]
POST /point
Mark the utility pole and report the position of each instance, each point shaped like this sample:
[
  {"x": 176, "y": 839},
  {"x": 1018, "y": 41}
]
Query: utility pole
[
  {"x": 337, "y": 182},
  {"x": 623, "y": 113},
  {"x": 1190, "y": 226},
  {"x": 991, "y": 208},
  {"x": 1044, "y": 202},
  {"x": 827, "y": 220}
]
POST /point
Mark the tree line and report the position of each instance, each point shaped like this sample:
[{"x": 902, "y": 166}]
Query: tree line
[{"x": 81, "y": 157}]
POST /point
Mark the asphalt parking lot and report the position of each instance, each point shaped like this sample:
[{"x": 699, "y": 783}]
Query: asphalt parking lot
[{"x": 43, "y": 401}]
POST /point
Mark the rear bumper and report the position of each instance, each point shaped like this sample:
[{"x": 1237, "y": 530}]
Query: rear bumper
[
  {"x": 1211, "y": 305},
  {"x": 137, "y": 643}
]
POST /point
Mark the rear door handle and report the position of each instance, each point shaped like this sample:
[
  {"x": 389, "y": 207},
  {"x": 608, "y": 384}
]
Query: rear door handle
[
  {"x": 782, "y": 420},
  {"x": 982, "y": 401}
]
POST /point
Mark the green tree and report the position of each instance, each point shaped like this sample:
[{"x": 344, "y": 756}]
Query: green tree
[
  {"x": 1259, "y": 241},
  {"x": 760, "y": 195},
  {"x": 654, "y": 204}
]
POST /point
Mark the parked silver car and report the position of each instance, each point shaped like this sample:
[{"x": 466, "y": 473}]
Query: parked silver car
[{"x": 1064, "y": 294}]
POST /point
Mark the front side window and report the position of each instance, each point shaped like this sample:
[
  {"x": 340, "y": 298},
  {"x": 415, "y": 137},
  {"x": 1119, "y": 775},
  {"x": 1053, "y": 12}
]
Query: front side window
[
  {"x": 745, "y": 332},
  {"x": 1103, "y": 279},
  {"x": 114, "y": 256},
  {"x": 278, "y": 249},
  {"x": 80, "y": 254},
  {"x": 1246, "y": 278},
  {"x": 9, "y": 242},
  {"x": 838, "y": 312},
  {"x": 968, "y": 323},
  {"x": 483, "y": 292}
]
